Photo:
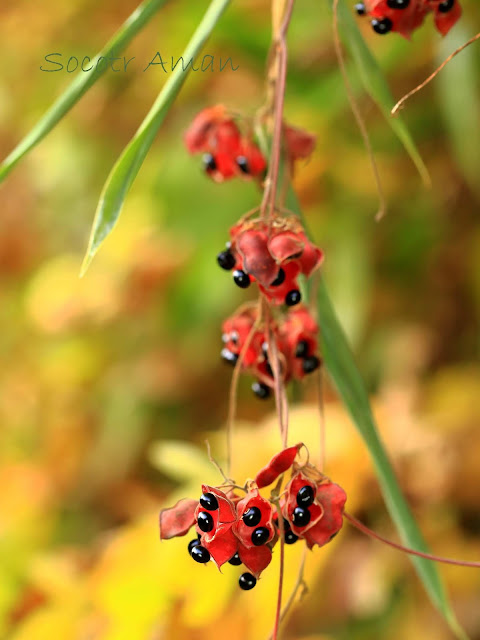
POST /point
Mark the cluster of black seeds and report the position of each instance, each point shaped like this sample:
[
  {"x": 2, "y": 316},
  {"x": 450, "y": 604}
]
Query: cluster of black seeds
[
  {"x": 310, "y": 361},
  {"x": 205, "y": 522},
  {"x": 383, "y": 26}
]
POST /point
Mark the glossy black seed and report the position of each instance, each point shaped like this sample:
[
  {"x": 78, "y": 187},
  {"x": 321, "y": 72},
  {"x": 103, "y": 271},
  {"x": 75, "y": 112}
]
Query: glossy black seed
[
  {"x": 193, "y": 543},
  {"x": 301, "y": 517},
  {"x": 247, "y": 581},
  {"x": 280, "y": 279},
  {"x": 268, "y": 368},
  {"x": 200, "y": 554},
  {"x": 382, "y": 26},
  {"x": 310, "y": 364},
  {"x": 234, "y": 337},
  {"x": 235, "y": 560},
  {"x": 260, "y": 536},
  {"x": 226, "y": 260},
  {"x": 293, "y": 297},
  {"x": 360, "y": 9},
  {"x": 302, "y": 349},
  {"x": 261, "y": 390},
  {"x": 398, "y": 4},
  {"x": 446, "y": 6},
  {"x": 229, "y": 356},
  {"x": 290, "y": 537},
  {"x": 242, "y": 164},
  {"x": 209, "y": 162},
  {"x": 209, "y": 501},
  {"x": 241, "y": 279},
  {"x": 252, "y": 516},
  {"x": 205, "y": 522},
  {"x": 305, "y": 496}
]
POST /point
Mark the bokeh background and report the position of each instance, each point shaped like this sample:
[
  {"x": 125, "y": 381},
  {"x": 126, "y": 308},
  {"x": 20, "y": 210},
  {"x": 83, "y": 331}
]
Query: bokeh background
[{"x": 110, "y": 385}]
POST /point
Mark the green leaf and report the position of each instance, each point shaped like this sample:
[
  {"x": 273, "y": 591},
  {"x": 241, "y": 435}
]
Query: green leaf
[
  {"x": 342, "y": 369},
  {"x": 375, "y": 83},
  {"x": 81, "y": 83},
  {"x": 346, "y": 377},
  {"x": 128, "y": 164}
]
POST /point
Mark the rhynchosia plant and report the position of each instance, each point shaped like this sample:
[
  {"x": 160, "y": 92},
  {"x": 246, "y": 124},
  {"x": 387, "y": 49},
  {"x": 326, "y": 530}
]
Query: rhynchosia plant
[{"x": 275, "y": 338}]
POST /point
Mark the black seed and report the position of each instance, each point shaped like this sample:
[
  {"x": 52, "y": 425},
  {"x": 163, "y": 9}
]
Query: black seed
[
  {"x": 226, "y": 260},
  {"x": 333, "y": 536},
  {"x": 268, "y": 368},
  {"x": 261, "y": 390},
  {"x": 209, "y": 162},
  {"x": 305, "y": 496},
  {"x": 382, "y": 26},
  {"x": 252, "y": 516},
  {"x": 290, "y": 537},
  {"x": 446, "y": 6},
  {"x": 398, "y": 4},
  {"x": 302, "y": 349},
  {"x": 247, "y": 581},
  {"x": 229, "y": 356},
  {"x": 242, "y": 164},
  {"x": 280, "y": 279},
  {"x": 301, "y": 517},
  {"x": 191, "y": 544},
  {"x": 205, "y": 521},
  {"x": 209, "y": 501},
  {"x": 265, "y": 349},
  {"x": 200, "y": 554},
  {"x": 260, "y": 536},
  {"x": 293, "y": 297},
  {"x": 234, "y": 337},
  {"x": 235, "y": 560},
  {"x": 360, "y": 9},
  {"x": 310, "y": 364},
  {"x": 241, "y": 279}
]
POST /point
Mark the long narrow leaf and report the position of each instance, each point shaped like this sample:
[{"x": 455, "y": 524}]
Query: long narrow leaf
[
  {"x": 341, "y": 367},
  {"x": 375, "y": 83},
  {"x": 128, "y": 164},
  {"x": 81, "y": 83},
  {"x": 346, "y": 377}
]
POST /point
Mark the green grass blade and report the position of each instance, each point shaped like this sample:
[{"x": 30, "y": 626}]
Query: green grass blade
[
  {"x": 375, "y": 83},
  {"x": 128, "y": 164},
  {"x": 348, "y": 381},
  {"x": 81, "y": 83}
]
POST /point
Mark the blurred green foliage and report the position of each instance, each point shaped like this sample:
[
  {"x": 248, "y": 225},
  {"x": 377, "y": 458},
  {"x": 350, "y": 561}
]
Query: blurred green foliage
[{"x": 99, "y": 374}]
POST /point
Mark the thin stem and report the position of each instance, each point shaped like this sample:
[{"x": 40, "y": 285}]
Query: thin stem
[
  {"x": 322, "y": 452},
  {"x": 423, "y": 84},
  {"x": 428, "y": 556},
  {"x": 356, "y": 112},
  {"x": 232, "y": 403},
  {"x": 282, "y": 566},
  {"x": 279, "y": 388},
  {"x": 279, "y": 63},
  {"x": 300, "y": 583}
]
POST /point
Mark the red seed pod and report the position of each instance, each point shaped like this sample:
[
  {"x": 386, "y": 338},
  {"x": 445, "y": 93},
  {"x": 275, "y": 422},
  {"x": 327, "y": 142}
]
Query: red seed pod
[
  {"x": 273, "y": 255},
  {"x": 299, "y": 143},
  {"x": 446, "y": 14},
  {"x": 215, "y": 515},
  {"x": 254, "y": 530},
  {"x": 300, "y": 331},
  {"x": 404, "y": 16},
  {"x": 177, "y": 520},
  {"x": 314, "y": 508},
  {"x": 235, "y": 333},
  {"x": 277, "y": 465},
  {"x": 227, "y": 152}
]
